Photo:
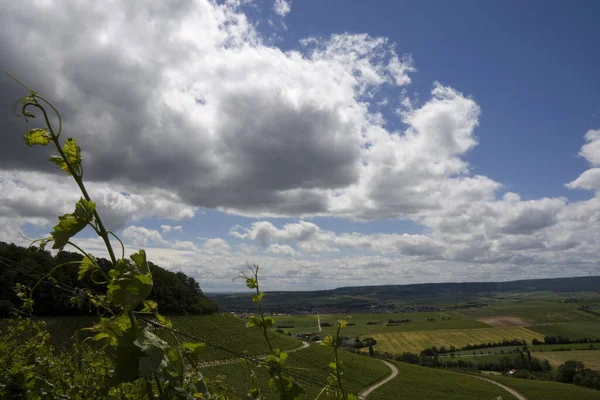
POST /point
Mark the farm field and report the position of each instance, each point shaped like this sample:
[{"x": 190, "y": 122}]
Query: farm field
[
  {"x": 533, "y": 312},
  {"x": 591, "y": 358},
  {"x": 312, "y": 363},
  {"x": 503, "y": 321},
  {"x": 417, "y": 383},
  {"x": 414, "y": 342},
  {"x": 365, "y": 324},
  {"x": 572, "y": 330},
  {"x": 547, "y": 390}
]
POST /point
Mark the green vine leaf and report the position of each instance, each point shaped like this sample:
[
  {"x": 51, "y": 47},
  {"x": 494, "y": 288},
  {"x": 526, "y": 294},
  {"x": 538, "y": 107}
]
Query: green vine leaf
[
  {"x": 130, "y": 281},
  {"x": 72, "y": 153},
  {"x": 87, "y": 264},
  {"x": 194, "y": 348},
  {"x": 70, "y": 224},
  {"x": 153, "y": 353},
  {"x": 293, "y": 391},
  {"x": 327, "y": 341},
  {"x": 257, "y": 298},
  {"x": 37, "y": 136}
]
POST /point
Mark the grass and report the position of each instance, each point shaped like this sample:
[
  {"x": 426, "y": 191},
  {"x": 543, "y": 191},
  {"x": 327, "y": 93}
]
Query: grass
[
  {"x": 417, "y": 383},
  {"x": 547, "y": 390},
  {"x": 419, "y": 321},
  {"x": 591, "y": 358},
  {"x": 572, "y": 330},
  {"x": 414, "y": 342},
  {"x": 312, "y": 365},
  {"x": 534, "y": 312}
]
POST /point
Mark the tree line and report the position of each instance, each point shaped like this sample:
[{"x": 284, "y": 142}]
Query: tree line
[
  {"x": 564, "y": 340},
  {"x": 174, "y": 292}
]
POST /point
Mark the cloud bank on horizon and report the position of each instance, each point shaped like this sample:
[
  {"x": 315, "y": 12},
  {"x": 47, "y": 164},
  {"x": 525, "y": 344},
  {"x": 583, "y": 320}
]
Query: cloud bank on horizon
[{"x": 186, "y": 106}]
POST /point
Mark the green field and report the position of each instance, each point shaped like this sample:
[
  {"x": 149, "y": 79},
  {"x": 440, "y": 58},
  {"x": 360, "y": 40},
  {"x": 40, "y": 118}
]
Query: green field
[
  {"x": 571, "y": 330},
  {"x": 312, "y": 364},
  {"x": 419, "y": 321},
  {"x": 534, "y": 312},
  {"x": 591, "y": 358},
  {"x": 546, "y": 390},
  {"x": 414, "y": 342},
  {"x": 419, "y": 383}
]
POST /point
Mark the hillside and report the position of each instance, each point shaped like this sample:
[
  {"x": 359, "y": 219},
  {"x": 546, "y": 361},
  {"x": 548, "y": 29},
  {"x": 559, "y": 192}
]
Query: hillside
[
  {"x": 544, "y": 390},
  {"x": 219, "y": 331},
  {"x": 175, "y": 293},
  {"x": 347, "y": 299},
  {"x": 416, "y": 383}
]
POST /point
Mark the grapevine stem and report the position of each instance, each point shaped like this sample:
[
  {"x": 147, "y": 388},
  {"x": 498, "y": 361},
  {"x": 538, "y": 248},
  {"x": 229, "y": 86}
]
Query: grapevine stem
[
  {"x": 264, "y": 327},
  {"x": 77, "y": 177}
]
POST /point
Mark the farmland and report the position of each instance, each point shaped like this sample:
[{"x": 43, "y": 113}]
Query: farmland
[
  {"x": 591, "y": 358},
  {"x": 399, "y": 342},
  {"x": 416, "y": 383},
  {"x": 534, "y": 312},
  {"x": 364, "y": 324},
  {"x": 544, "y": 390},
  {"x": 573, "y": 330}
]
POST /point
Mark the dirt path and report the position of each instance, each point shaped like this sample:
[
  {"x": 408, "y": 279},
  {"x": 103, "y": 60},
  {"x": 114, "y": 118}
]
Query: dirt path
[
  {"x": 370, "y": 389},
  {"x": 510, "y": 390}
]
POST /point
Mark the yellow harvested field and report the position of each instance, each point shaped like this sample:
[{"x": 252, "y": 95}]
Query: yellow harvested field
[
  {"x": 503, "y": 321},
  {"x": 591, "y": 358},
  {"x": 414, "y": 342}
]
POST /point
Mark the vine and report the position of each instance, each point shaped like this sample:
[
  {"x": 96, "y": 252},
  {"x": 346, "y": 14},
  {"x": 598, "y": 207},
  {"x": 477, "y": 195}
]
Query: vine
[
  {"x": 140, "y": 355},
  {"x": 140, "y": 364}
]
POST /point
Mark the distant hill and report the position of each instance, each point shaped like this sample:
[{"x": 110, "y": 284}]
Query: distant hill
[{"x": 355, "y": 298}]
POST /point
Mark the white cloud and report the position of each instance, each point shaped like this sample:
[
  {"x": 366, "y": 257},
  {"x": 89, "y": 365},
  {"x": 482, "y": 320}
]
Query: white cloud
[
  {"x": 216, "y": 245},
  {"x": 281, "y": 249},
  {"x": 171, "y": 228},
  {"x": 141, "y": 236},
  {"x": 590, "y": 179},
  {"x": 41, "y": 197},
  {"x": 282, "y": 7},
  {"x": 196, "y": 110}
]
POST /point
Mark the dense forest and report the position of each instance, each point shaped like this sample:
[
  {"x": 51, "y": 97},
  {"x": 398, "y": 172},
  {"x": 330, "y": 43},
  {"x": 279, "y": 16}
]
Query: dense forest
[{"x": 175, "y": 292}]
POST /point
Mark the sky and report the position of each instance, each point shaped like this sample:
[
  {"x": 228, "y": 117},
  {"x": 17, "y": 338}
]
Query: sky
[{"x": 333, "y": 143}]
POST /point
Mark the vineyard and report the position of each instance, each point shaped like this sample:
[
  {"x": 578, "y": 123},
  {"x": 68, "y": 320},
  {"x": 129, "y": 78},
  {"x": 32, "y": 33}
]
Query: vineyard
[
  {"x": 219, "y": 331},
  {"x": 416, "y": 383},
  {"x": 544, "y": 390},
  {"x": 311, "y": 364}
]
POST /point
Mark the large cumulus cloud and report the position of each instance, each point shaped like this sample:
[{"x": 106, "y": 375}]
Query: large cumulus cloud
[{"x": 182, "y": 105}]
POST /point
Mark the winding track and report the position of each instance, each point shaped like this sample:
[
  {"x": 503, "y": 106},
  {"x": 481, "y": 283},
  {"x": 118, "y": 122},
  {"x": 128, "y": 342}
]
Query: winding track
[
  {"x": 370, "y": 389},
  {"x": 510, "y": 390}
]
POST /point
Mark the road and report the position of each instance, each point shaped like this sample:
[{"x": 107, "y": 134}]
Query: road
[
  {"x": 370, "y": 389},
  {"x": 510, "y": 390}
]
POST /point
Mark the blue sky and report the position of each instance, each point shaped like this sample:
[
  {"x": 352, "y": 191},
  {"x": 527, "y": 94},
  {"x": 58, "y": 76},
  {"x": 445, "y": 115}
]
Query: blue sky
[
  {"x": 531, "y": 66},
  {"x": 336, "y": 143}
]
